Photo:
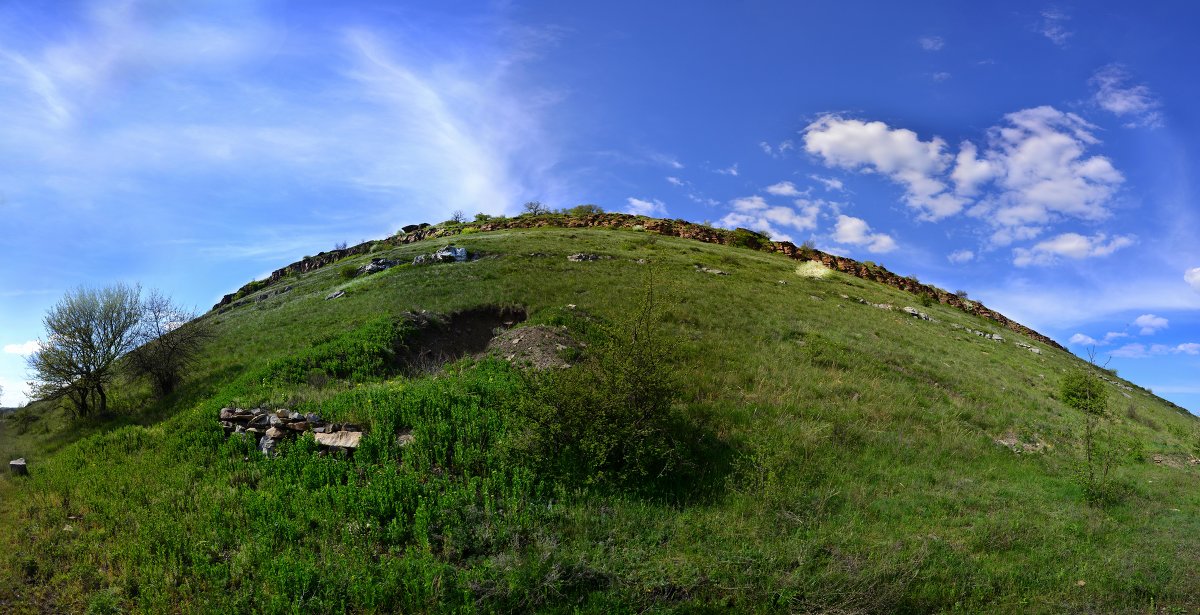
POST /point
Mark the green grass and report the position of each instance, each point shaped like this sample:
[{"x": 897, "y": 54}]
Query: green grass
[{"x": 844, "y": 459}]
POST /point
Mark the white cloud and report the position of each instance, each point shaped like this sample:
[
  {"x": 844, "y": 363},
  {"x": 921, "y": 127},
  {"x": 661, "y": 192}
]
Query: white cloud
[
  {"x": 1131, "y": 351},
  {"x": 642, "y": 207},
  {"x": 1081, "y": 339},
  {"x": 1192, "y": 277},
  {"x": 1040, "y": 168},
  {"x": 830, "y": 183},
  {"x": 856, "y": 231},
  {"x": 1150, "y": 323},
  {"x": 897, "y": 153},
  {"x": 1035, "y": 172},
  {"x": 1053, "y": 26},
  {"x": 753, "y": 212},
  {"x": 777, "y": 151},
  {"x": 732, "y": 170},
  {"x": 1191, "y": 348},
  {"x": 26, "y": 348},
  {"x": 784, "y": 188},
  {"x": 1135, "y": 102},
  {"x": 931, "y": 43},
  {"x": 940, "y": 76},
  {"x": 970, "y": 171},
  {"x": 1070, "y": 245},
  {"x": 961, "y": 256},
  {"x": 674, "y": 181},
  {"x": 1140, "y": 351}
]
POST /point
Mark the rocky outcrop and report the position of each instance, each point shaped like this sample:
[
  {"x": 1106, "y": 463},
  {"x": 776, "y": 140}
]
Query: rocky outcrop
[
  {"x": 672, "y": 228},
  {"x": 18, "y": 467},
  {"x": 269, "y": 427}
]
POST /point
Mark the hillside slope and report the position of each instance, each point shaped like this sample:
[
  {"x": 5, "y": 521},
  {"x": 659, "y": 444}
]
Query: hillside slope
[{"x": 836, "y": 452}]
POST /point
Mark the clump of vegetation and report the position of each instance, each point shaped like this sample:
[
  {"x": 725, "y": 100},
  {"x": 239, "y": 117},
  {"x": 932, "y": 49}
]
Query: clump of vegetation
[
  {"x": 609, "y": 420},
  {"x": 535, "y": 208},
  {"x": 813, "y": 269},
  {"x": 348, "y": 272},
  {"x": 743, "y": 238},
  {"x": 1083, "y": 390}
]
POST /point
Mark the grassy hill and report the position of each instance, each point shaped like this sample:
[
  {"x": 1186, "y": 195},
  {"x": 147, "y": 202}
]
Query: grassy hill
[{"x": 813, "y": 448}]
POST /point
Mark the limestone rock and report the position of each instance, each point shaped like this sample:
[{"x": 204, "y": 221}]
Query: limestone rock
[
  {"x": 18, "y": 467},
  {"x": 583, "y": 256},
  {"x": 335, "y": 294},
  {"x": 339, "y": 439}
]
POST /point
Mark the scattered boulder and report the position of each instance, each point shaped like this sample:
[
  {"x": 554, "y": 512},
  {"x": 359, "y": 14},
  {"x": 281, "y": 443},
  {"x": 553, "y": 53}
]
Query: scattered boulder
[
  {"x": 405, "y": 437},
  {"x": 18, "y": 467},
  {"x": 376, "y": 265},
  {"x": 335, "y": 294},
  {"x": 448, "y": 254},
  {"x": 583, "y": 256},
  {"x": 916, "y": 313},
  {"x": 704, "y": 269},
  {"x": 1028, "y": 347}
]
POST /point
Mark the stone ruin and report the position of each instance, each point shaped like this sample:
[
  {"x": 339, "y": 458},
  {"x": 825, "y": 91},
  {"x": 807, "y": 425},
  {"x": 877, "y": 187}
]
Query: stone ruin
[{"x": 269, "y": 427}]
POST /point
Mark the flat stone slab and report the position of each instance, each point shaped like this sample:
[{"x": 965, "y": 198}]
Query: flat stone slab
[
  {"x": 339, "y": 439},
  {"x": 18, "y": 467}
]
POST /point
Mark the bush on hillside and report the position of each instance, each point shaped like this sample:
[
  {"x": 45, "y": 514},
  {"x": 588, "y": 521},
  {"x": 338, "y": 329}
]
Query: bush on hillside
[{"x": 609, "y": 419}]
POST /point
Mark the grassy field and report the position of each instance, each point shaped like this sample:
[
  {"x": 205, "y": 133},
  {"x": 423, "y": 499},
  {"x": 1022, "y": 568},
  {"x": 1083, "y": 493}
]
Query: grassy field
[{"x": 830, "y": 456}]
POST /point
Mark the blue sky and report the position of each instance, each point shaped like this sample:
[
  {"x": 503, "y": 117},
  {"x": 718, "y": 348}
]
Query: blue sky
[{"x": 1036, "y": 155}]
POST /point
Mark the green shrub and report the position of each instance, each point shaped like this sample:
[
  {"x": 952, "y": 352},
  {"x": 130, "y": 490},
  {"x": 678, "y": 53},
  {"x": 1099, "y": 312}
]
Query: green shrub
[
  {"x": 349, "y": 272},
  {"x": 743, "y": 238},
  {"x": 609, "y": 419},
  {"x": 1084, "y": 391}
]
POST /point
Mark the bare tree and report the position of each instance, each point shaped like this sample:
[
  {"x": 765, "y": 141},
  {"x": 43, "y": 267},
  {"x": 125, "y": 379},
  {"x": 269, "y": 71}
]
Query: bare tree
[
  {"x": 458, "y": 217},
  {"x": 536, "y": 208},
  {"x": 169, "y": 337},
  {"x": 87, "y": 331}
]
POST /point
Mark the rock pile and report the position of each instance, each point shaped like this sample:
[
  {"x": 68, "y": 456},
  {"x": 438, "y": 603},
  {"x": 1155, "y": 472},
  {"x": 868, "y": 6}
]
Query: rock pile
[
  {"x": 448, "y": 254},
  {"x": 995, "y": 337},
  {"x": 269, "y": 427},
  {"x": 1030, "y": 348},
  {"x": 376, "y": 265},
  {"x": 917, "y": 313},
  {"x": 583, "y": 256}
]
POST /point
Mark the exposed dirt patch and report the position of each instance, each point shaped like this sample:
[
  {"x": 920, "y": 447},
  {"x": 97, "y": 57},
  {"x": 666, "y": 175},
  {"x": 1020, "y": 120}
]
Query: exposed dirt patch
[
  {"x": 440, "y": 339},
  {"x": 538, "y": 346}
]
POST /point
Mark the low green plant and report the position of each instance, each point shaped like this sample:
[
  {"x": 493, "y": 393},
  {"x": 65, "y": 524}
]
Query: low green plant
[
  {"x": 609, "y": 420},
  {"x": 348, "y": 272},
  {"x": 1083, "y": 390}
]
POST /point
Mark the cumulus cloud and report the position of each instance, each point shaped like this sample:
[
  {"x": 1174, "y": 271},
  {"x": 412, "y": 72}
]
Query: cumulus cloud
[
  {"x": 1081, "y": 339},
  {"x": 931, "y": 43},
  {"x": 1053, "y": 25},
  {"x": 753, "y": 212},
  {"x": 896, "y": 153},
  {"x": 26, "y": 348},
  {"x": 784, "y": 188},
  {"x": 1192, "y": 277},
  {"x": 674, "y": 181},
  {"x": 1033, "y": 172},
  {"x": 643, "y": 207},
  {"x": 1150, "y": 323},
  {"x": 1042, "y": 171},
  {"x": 856, "y": 231},
  {"x": 961, "y": 256},
  {"x": 731, "y": 170},
  {"x": 1070, "y": 245},
  {"x": 1116, "y": 95}
]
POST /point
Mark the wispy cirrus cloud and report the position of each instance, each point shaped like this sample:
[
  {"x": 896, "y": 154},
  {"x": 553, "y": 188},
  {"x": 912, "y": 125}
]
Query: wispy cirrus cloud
[{"x": 1134, "y": 103}]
